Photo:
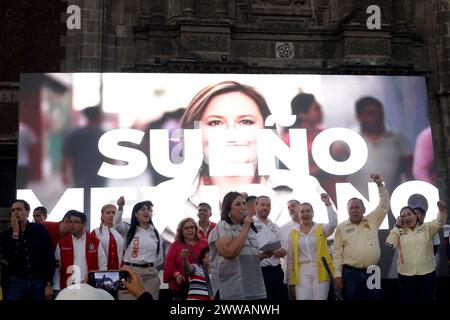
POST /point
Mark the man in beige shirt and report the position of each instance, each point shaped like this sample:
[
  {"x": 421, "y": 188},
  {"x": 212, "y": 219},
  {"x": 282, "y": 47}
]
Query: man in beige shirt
[{"x": 356, "y": 246}]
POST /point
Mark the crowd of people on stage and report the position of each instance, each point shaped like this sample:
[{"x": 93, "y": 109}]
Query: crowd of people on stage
[{"x": 245, "y": 256}]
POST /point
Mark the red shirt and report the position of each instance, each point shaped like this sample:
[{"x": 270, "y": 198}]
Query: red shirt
[
  {"x": 53, "y": 230},
  {"x": 202, "y": 234},
  {"x": 174, "y": 262}
]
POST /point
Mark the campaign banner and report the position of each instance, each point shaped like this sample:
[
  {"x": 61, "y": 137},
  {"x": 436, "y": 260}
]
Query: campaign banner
[{"x": 86, "y": 139}]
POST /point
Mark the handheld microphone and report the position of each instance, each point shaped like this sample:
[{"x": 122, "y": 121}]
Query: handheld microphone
[{"x": 252, "y": 225}]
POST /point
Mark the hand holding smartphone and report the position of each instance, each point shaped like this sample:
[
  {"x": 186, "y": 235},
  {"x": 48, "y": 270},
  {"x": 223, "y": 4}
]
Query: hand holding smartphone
[{"x": 108, "y": 280}]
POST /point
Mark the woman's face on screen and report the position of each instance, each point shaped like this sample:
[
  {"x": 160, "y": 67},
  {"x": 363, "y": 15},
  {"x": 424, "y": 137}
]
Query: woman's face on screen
[{"x": 233, "y": 110}]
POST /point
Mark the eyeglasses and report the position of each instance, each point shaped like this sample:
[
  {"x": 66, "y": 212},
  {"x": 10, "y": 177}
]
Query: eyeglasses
[
  {"x": 189, "y": 228},
  {"x": 75, "y": 222}
]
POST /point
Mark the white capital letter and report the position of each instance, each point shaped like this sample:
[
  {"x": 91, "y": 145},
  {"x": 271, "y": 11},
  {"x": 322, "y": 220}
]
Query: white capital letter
[
  {"x": 136, "y": 160},
  {"x": 160, "y": 154},
  {"x": 345, "y": 191},
  {"x": 401, "y": 194},
  {"x": 72, "y": 198},
  {"x": 271, "y": 146},
  {"x": 226, "y": 157},
  {"x": 321, "y": 151}
]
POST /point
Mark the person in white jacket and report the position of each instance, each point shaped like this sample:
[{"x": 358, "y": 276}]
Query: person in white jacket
[
  {"x": 143, "y": 246},
  {"x": 111, "y": 241}
]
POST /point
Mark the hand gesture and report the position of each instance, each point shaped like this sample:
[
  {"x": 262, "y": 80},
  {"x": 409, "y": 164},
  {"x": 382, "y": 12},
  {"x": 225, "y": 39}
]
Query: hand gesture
[
  {"x": 248, "y": 219},
  {"x": 292, "y": 295},
  {"x": 121, "y": 202},
  {"x": 339, "y": 283},
  {"x": 265, "y": 254},
  {"x": 325, "y": 198},
  {"x": 184, "y": 253},
  {"x": 399, "y": 221},
  {"x": 179, "y": 278},
  {"x": 280, "y": 253},
  {"x": 48, "y": 293},
  {"x": 442, "y": 206},
  {"x": 15, "y": 222},
  {"x": 377, "y": 179},
  {"x": 135, "y": 286}
]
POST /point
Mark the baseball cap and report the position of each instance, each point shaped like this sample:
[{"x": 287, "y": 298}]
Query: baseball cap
[{"x": 83, "y": 291}]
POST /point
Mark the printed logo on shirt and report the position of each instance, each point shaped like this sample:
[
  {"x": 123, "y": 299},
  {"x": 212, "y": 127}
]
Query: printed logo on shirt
[
  {"x": 91, "y": 247},
  {"x": 135, "y": 252},
  {"x": 350, "y": 230},
  {"x": 65, "y": 248}
]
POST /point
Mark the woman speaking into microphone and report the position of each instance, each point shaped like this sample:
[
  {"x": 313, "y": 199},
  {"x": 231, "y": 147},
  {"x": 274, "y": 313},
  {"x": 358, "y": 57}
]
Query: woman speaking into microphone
[{"x": 234, "y": 253}]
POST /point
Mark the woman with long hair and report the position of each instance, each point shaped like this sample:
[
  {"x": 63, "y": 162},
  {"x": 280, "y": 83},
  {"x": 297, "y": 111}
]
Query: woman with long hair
[
  {"x": 186, "y": 238},
  {"x": 110, "y": 239},
  {"x": 143, "y": 246},
  {"x": 307, "y": 244}
]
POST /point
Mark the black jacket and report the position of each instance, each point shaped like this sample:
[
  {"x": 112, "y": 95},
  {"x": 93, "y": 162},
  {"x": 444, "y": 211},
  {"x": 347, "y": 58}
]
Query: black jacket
[{"x": 29, "y": 256}]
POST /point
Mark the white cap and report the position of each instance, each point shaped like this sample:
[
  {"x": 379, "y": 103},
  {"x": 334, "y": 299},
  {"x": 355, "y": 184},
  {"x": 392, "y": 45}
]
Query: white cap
[
  {"x": 446, "y": 230},
  {"x": 83, "y": 291}
]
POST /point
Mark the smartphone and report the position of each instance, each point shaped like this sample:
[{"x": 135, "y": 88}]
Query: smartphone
[{"x": 108, "y": 280}]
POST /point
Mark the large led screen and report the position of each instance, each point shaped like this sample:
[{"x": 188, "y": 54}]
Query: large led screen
[{"x": 182, "y": 139}]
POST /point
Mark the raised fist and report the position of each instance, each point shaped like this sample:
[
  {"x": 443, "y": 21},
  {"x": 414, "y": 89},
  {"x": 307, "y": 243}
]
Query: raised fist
[
  {"x": 325, "y": 198},
  {"x": 442, "y": 206},
  {"x": 376, "y": 178},
  {"x": 121, "y": 202}
]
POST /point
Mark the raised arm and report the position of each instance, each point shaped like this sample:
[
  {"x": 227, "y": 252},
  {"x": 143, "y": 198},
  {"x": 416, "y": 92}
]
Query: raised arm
[
  {"x": 119, "y": 225},
  {"x": 384, "y": 205},
  {"x": 328, "y": 228},
  {"x": 437, "y": 224}
]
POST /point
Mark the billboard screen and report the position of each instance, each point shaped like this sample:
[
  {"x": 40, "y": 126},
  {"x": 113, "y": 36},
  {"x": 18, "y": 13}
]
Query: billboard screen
[{"x": 182, "y": 139}]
